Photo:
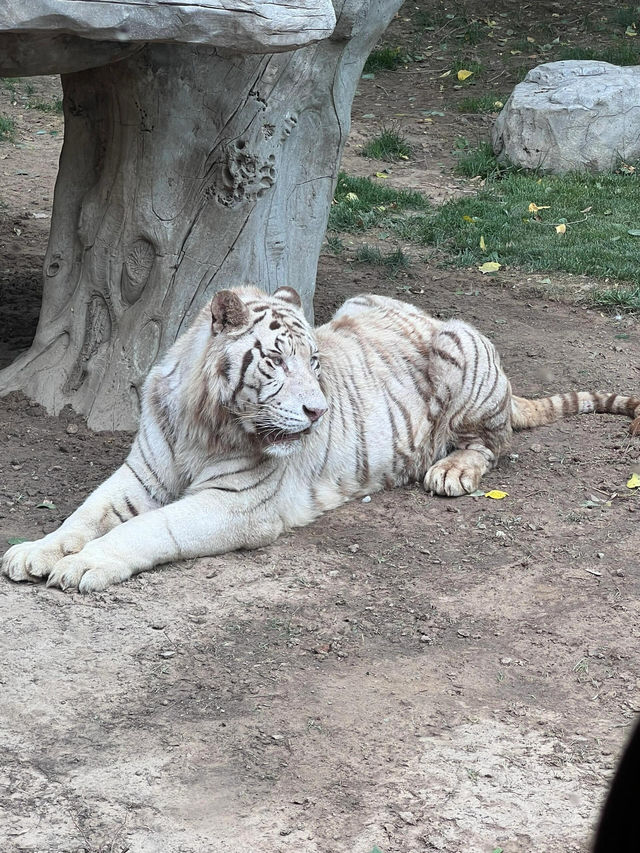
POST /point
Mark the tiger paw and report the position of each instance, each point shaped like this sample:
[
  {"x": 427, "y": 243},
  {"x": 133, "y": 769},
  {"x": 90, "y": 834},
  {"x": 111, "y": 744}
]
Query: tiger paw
[
  {"x": 450, "y": 479},
  {"x": 32, "y": 561},
  {"x": 90, "y": 571}
]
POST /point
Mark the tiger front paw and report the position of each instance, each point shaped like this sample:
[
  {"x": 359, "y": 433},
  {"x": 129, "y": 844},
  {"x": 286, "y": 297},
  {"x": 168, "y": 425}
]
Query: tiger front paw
[
  {"x": 450, "y": 479},
  {"x": 32, "y": 561},
  {"x": 90, "y": 571}
]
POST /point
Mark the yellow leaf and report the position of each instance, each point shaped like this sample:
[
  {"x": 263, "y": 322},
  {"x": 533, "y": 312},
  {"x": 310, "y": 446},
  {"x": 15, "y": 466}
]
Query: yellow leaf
[
  {"x": 463, "y": 74},
  {"x": 490, "y": 266},
  {"x": 561, "y": 229},
  {"x": 534, "y": 208},
  {"x": 351, "y": 197},
  {"x": 498, "y": 104},
  {"x": 381, "y": 175},
  {"x": 531, "y": 40},
  {"x": 446, "y": 74},
  {"x": 466, "y": 218},
  {"x": 403, "y": 157},
  {"x": 631, "y": 31},
  {"x": 496, "y": 494},
  {"x": 483, "y": 245},
  {"x": 634, "y": 482}
]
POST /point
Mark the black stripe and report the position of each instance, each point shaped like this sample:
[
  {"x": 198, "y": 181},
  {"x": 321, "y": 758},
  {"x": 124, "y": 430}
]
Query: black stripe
[
  {"x": 246, "y": 361},
  {"x": 138, "y": 478},
  {"x": 132, "y": 509},
  {"x": 119, "y": 516}
]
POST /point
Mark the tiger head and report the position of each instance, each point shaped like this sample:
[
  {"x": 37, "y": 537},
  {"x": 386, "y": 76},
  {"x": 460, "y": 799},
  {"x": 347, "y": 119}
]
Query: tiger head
[{"x": 268, "y": 366}]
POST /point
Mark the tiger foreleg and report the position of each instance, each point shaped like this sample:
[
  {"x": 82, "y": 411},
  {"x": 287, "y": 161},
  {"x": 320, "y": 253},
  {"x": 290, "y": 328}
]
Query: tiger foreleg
[
  {"x": 118, "y": 499},
  {"x": 198, "y": 525}
]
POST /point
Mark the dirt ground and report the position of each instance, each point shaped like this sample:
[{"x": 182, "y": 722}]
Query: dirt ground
[{"x": 409, "y": 673}]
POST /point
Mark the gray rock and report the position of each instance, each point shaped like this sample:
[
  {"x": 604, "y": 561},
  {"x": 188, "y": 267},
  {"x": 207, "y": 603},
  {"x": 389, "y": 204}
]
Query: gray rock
[{"x": 572, "y": 116}]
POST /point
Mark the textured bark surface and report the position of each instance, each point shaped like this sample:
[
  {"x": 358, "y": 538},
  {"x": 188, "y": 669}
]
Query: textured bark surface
[
  {"x": 246, "y": 25},
  {"x": 183, "y": 172}
]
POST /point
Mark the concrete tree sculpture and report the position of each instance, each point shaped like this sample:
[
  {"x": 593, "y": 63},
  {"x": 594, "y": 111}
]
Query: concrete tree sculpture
[{"x": 202, "y": 145}]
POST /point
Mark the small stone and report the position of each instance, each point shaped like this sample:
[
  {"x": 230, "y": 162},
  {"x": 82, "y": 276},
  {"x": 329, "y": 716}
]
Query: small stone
[
  {"x": 366, "y": 499},
  {"x": 167, "y": 653},
  {"x": 463, "y": 633},
  {"x": 600, "y": 555},
  {"x": 72, "y": 429},
  {"x": 536, "y": 448},
  {"x": 506, "y": 661},
  {"x": 354, "y": 548}
]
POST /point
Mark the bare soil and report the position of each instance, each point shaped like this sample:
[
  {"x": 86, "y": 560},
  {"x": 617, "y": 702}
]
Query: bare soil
[{"x": 411, "y": 673}]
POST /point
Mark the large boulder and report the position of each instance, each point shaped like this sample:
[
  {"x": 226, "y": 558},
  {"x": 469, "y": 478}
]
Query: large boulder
[{"x": 572, "y": 116}]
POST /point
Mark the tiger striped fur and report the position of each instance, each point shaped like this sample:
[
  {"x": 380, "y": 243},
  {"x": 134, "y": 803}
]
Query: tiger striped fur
[{"x": 253, "y": 424}]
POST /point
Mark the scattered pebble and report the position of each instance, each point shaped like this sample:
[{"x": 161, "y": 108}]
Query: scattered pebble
[{"x": 366, "y": 499}]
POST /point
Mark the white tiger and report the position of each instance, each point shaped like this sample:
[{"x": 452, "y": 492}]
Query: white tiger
[{"x": 253, "y": 424}]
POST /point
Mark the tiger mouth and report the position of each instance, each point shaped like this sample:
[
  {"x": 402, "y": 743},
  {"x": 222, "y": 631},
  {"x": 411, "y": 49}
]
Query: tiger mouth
[{"x": 277, "y": 436}]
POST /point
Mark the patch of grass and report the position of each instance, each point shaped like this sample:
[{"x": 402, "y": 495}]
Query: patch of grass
[
  {"x": 47, "y": 106},
  {"x": 620, "y": 298},
  {"x": 621, "y": 53},
  {"x": 467, "y": 64},
  {"x": 393, "y": 261},
  {"x": 625, "y": 16},
  {"x": 7, "y": 128},
  {"x": 480, "y": 161},
  {"x": 383, "y": 59},
  {"x": 481, "y": 104},
  {"x": 389, "y": 145},
  {"x": 598, "y": 210},
  {"x": 360, "y": 203},
  {"x": 335, "y": 244}
]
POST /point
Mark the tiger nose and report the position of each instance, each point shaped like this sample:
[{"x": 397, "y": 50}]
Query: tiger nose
[{"x": 314, "y": 414}]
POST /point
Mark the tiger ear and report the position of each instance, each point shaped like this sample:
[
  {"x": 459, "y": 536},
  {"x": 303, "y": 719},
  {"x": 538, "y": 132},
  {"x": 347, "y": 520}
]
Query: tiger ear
[
  {"x": 288, "y": 294},
  {"x": 228, "y": 311}
]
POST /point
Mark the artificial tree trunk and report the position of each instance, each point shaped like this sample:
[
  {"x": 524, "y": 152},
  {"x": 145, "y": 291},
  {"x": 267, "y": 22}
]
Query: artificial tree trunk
[{"x": 185, "y": 169}]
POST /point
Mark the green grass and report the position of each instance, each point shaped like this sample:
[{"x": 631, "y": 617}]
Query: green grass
[
  {"x": 622, "y": 53},
  {"x": 626, "y": 15},
  {"x": 7, "y": 128},
  {"x": 480, "y": 161},
  {"x": 626, "y": 299},
  {"x": 389, "y": 145},
  {"x": 383, "y": 59},
  {"x": 596, "y": 241},
  {"x": 393, "y": 261},
  {"x": 461, "y": 63},
  {"x": 481, "y": 104},
  {"x": 47, "y": 106},
  {"x": 360, "y": 204}
]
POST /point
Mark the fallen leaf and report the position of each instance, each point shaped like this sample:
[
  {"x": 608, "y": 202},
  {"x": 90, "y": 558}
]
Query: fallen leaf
[
  {"x": 483, "y": 245},
  {"x": 46, "y": 505},
  {"x": 16, "y": 540},
  {"x": 489, "y": 266},
  {"x": 381, "y": 175},
  {"x": 446, "y": 74},
  {"x": 496, "y": 494},
  {"x": 534, "y": 208},
  {"x": 463, "y": 74},
  {"x": 466, "y": 218},
  {"x": 351, "y": 197},
  {"x": 631, "y": 31},
  {"x": 561, "y": 229},
  {"x": 635, "y": 232},
  {"x": 634, "y": 482}
]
